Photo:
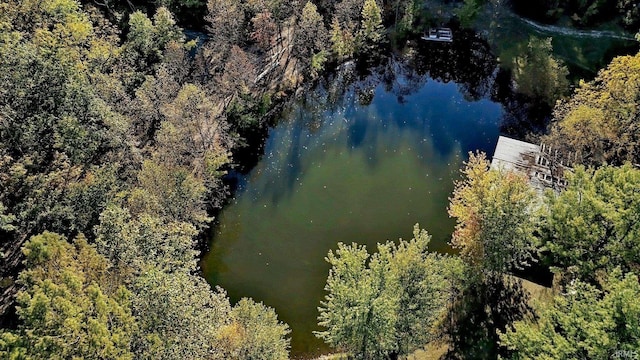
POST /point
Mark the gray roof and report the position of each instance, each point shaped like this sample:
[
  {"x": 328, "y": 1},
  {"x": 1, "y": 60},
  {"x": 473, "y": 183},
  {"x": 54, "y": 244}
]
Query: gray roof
[
  {"x": 538, "y": 163},
  {"x": 511, "y": 154}
]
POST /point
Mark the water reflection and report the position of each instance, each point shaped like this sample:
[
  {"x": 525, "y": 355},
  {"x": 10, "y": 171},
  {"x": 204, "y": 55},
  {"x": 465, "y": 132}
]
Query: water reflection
[
  {"x": 583, "y": 51},
  {"x": 468, "y": 62},
  {"x": 362, "y": 157}
]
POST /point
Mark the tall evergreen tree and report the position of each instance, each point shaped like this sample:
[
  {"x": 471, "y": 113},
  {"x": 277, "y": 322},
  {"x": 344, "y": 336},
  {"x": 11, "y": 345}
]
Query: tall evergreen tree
[
  {"x": 343, "y": 41},
  {"x": 310, "y": 39},
  {"x": 371, "y": 33}
]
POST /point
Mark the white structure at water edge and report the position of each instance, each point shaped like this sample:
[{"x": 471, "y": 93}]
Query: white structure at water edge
[{"x": 539, "y": 163}]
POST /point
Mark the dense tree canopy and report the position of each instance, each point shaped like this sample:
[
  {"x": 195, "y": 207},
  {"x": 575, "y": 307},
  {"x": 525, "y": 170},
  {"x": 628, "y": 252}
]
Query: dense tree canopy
[
  {"x": 147, "y": 38},
  {"x": 387, "y": 303},
  {"x": 72, "y": 297},
  {"x": 109, "y": 135},
  {"x": 56, "y": 129},
  {"x": 69, "y": 307},
  {"x": 178, "y": 315},
  {"x": 599, "y": 124},
  {"x": 115, "y": 132},
  {"x": 582, "y": 323},
  {"x": 593, "y": 224}
]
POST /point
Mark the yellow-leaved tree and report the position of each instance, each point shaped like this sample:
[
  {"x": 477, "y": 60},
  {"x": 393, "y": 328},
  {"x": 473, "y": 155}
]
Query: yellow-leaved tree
[
  {"x": 494, "y": 213},
  {"x": 600, "y": 123}
]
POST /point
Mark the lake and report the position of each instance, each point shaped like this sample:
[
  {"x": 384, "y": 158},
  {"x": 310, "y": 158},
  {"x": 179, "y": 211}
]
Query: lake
[{"x": 361, "y": 157}]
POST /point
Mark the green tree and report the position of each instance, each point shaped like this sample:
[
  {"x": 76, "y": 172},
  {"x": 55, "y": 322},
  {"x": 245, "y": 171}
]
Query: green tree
[
  {"x": 49, "y": 107},
  {"x": 386, "y": 304},
  {"x": 195, "y": 134},
  {"x": 594, "y": 224},
  {"x": 67, "y": 308},
  {"x": 165, "y": 28},
  {"x": 539, "y": 75},
  {"x": 371, "y": 32},
  {"x": 179, "y": 316},
  {"x": 310, "y": 36},
  {"x": 171, "y": 193},
  {"x": 86, "y": 198},
  {"x": 147, "y": 39},
  {"x": 55, "y": 128},
  {"x": 343, "y": 41},
  {"x": 108, "y": 138},
  {"x": 155, "y": 92},
  {"x": 358, "y": 312},
  {"x": 258, "y": 332},
  {"x": 426, "y": 282},
  {"x": 581, "y": 323},
  {"x": 598, "y": 125},
  {"x": 494, "y": 211},
  {"x": 6, "y": 219},
  {"x": 134, "y": 243},
  {"x": 37, "y": 201}
]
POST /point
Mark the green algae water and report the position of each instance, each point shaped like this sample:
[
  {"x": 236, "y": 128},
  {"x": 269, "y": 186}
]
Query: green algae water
[
  {"x": 359, "y": 159},
  {"x": 362, "y": 158}
]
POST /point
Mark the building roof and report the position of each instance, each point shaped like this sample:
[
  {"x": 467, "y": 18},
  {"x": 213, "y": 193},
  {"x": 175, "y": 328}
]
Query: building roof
[
  {"x": 538, "y": 163},
  {"x": 513, "y": 155}
]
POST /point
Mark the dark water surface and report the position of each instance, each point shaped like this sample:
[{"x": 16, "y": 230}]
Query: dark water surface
[
  {"x": 362, "y": 158},
  {"x": 584, "y": 52},
  {"x": 359, "y": 159}
]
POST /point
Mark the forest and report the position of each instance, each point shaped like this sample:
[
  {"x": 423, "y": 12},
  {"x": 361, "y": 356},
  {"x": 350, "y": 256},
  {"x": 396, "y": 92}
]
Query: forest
[{"x": 120, "y": 121}]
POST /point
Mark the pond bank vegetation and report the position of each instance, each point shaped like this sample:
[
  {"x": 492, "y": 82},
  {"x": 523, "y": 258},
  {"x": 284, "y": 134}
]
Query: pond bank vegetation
[{"x": 116, "y": 134}]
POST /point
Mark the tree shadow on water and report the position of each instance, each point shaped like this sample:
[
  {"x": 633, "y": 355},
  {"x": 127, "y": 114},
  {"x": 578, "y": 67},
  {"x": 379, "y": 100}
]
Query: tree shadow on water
[{"x": 485, "y": 306}]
